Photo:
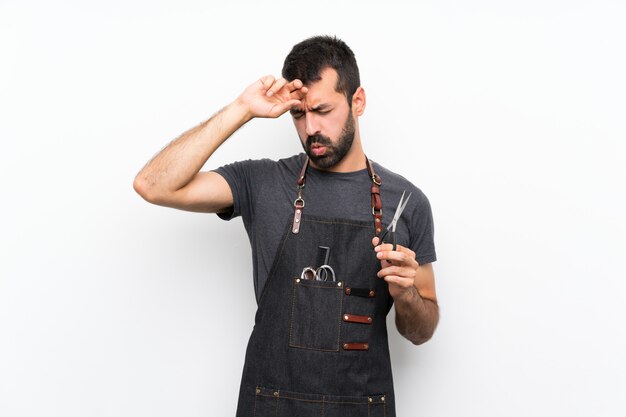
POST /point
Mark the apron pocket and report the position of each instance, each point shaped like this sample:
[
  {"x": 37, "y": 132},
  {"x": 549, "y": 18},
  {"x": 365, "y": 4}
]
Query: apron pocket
[
  {"x": 316, "y": 315},
  {"x": 278, "y": 403}
]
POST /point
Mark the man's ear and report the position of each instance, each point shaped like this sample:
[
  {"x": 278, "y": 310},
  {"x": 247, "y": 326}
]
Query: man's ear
[{"x": 358, "y": 101}]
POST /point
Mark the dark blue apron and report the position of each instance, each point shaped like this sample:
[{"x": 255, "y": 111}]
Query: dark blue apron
[{"x": 319, "y": 348}]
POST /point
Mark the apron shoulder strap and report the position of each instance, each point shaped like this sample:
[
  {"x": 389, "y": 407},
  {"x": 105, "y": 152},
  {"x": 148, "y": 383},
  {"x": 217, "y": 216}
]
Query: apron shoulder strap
[{"x": 377, "y": 204}]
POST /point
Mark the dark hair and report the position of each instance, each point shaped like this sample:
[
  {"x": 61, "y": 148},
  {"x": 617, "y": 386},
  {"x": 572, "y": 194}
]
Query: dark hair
[{"x": 308, "y": 58}]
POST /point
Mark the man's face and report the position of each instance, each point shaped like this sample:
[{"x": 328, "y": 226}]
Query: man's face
[{"x": 325, "y": 123}]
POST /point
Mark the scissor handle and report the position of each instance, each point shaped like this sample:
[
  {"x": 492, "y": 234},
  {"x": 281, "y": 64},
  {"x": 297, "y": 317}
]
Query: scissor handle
[
  {"x": 308, "y": 273},
  {"x": 322, "y": 273},
  {"x": 393, "y": 238}
]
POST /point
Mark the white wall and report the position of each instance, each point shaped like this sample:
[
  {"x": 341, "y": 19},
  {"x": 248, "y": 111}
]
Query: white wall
[{"x": 509, "y": 115}]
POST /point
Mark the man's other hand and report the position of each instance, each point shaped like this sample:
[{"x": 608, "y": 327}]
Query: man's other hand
[
  {"x": 271, "y": 97},
  {"x": 403, "y": 273}
]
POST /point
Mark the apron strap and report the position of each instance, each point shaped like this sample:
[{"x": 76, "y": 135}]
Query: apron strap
[
  {"x": 303, "y": 173},
  {"x": 298, "y": 204},
  {"x": 377, "y": 205}
]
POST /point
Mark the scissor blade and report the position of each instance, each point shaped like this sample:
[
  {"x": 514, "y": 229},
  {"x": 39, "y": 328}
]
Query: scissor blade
[
  {"x": 404, "y": 204},
  {"x": 401, "y": 206}
]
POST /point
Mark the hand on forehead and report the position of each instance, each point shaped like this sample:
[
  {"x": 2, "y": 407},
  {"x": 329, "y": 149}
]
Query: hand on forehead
[{"x": 321, "y": 95}]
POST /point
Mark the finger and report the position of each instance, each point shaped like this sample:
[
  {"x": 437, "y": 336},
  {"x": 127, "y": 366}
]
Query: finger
[
  {"x": 267, "y": 81},
  {"x": 294, "y": 85},
  {"x": 399, "y": 248},
  {"x": 299, "y": 94},
  {"x": 400, "y": 281},
  {"x": 383, "y": 247},
  {"x": 399, "y": 271},
  {"x": 278, "y": 84},
  {"x": 406, "y": 250},
  {"x": 396, "y": 257}
]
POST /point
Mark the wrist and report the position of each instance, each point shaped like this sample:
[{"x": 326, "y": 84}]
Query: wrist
[
  {"x": 409, "y": 296},
  {"x": 241, "y": 110}
]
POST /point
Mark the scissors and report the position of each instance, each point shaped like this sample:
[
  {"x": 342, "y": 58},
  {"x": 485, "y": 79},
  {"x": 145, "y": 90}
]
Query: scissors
[
  {"x": 322, "y": 273},
  {"x": 392, "y": 226}
]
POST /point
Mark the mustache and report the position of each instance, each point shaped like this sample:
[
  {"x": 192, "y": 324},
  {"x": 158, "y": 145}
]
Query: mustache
[{"x": 320, "y": 139}]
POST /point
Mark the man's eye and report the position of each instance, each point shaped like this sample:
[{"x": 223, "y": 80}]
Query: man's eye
[{"x": 297, "y": 115}]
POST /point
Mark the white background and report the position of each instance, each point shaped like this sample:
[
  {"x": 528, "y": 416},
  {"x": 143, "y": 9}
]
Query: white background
[{"x": 509, "y": 116}]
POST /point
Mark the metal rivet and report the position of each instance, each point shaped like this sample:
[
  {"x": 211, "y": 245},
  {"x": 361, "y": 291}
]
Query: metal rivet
[
  {"x": 295, "y": 230},
  {"x": 275, "y": 393},
  {"x": 297, "y": 220},
  {"x": 377, "y": 220},
  {"x": 369, "y": 319},
  {"x": 298, "y": 280},
  {"x": 377, "y": 230},
  {"x": 346, "y": 317},
  {"x": 382, "y": 398},
  {"x": 339, "y": 284},
  {"x": 366, "y": 346},
  {"x": 370, "y": 399},
  {"x": 298, "y": 211},
  {"x": 345, "y": 346},
  {"x": 258, "y": 391}
]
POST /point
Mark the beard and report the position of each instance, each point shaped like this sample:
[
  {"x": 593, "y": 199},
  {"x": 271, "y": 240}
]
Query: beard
[{"x": 334, "y": 152}]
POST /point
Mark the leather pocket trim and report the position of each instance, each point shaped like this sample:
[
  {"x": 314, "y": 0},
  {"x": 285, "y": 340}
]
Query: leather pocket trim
[
  {"x": 354, "y": 318},
  {"x": 356, "y": 346},
  {"x": 361, "y": 292}
]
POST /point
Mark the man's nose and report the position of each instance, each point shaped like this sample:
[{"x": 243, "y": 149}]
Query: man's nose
[{"x": 312, "y": 125}]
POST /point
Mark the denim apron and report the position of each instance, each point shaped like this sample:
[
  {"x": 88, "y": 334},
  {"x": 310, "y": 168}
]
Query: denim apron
[{"x": 319, "y": 348}]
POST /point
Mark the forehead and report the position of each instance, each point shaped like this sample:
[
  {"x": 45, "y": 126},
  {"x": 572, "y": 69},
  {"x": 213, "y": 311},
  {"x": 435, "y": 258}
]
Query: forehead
[{"x": 323, "y": 91}]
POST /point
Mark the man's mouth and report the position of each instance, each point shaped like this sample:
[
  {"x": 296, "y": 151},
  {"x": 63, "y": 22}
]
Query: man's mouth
[{"x": 318, "y": 149}]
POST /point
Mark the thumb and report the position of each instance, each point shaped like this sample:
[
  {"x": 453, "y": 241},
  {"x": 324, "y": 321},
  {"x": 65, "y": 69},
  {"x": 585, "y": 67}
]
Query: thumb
[{"x": 286, "y": 106}]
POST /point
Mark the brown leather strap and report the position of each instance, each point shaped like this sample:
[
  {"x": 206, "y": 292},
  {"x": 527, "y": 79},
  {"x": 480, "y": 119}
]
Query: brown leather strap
[
  {"x": 356, "y": 346},
  {"x": 353, "y": 318},
  {"x": 303, "y": 172},
  {"x": 370, "y": 170},
  {"x": 297, "y": 215},
  {"x": 377, "y": 204}
]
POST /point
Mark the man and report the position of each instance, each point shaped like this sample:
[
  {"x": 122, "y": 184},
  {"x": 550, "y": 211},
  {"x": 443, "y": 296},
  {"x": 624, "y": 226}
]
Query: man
[{"x": 323, "y": 282}]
